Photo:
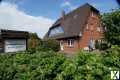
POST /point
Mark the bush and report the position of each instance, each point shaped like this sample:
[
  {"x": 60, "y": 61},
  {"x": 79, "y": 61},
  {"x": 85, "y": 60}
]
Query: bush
[
  {"x": 97, "y": 44},
  {"x": 33, "y": 41},
  {"x": 50, "y": 65},
  {"x": 49, "y": 44},
  {"x": 39, "y": 66},
  {"x": 103, "y": 45}
]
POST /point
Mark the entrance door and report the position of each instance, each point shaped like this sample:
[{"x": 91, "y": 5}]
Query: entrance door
[{"x": 61, "y": 45}]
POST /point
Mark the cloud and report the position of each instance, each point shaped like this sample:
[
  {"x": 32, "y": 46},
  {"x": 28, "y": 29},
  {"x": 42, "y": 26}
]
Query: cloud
[
  {"x": 67, "y": 4},
  {"x": 13, "y": 18}
]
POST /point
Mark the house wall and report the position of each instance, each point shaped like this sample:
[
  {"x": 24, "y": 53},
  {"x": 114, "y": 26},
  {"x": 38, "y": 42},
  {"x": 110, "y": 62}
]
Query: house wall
[
  {"x": 91, "y": 30},
  {"x": 68, "y": 49}
]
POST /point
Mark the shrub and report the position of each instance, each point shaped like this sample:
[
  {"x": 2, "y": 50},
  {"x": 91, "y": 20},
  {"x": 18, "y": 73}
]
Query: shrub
[
  {"x": 49, "y": 44},
  {"x": 97, "y": 44},
  {"x": 39, "y": 66},
  {"x": 33, "y": 41},
  {"x": 49, "y": 65},
  {"x": 102, "y": 45}
]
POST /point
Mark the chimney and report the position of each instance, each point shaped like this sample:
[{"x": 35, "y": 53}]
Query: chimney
[{"x": 62, "y": 14}]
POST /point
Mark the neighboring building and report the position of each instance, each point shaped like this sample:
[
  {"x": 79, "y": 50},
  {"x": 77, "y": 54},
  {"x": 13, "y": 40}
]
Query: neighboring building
[
  {"x": 12, "y": 41},
  {"x": 77, "y": 29}
]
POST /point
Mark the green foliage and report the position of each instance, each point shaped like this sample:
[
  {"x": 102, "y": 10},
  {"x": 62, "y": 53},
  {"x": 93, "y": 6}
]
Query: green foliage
[
  {"x": 49, "y": 44},
  {"x": 35, "y": 44},
  {"x": 97, "y": 44},
  {"x": 38, "y": 66},
  {"x": 33, "y": 41},
  {"x": 112, "y": 23},
  {"x": 50, "y": 65},
  {"x": 102, "y": 45}
]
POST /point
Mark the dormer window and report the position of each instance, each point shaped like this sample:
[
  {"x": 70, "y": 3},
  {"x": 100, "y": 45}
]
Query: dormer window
[{"x": 56, "y": 31}]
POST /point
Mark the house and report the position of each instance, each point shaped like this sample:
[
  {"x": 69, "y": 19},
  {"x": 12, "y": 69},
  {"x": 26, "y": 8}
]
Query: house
[
  {"x": 12, "y": 41},
  {"x": 78, "y": 29}
]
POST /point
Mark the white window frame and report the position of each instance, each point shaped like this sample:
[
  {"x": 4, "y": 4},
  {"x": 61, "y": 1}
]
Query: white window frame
[{"x": 70, "y": 42}]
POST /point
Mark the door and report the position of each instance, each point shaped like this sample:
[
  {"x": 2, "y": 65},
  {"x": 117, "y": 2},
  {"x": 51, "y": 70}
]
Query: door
[
  {"x": 61, "y": 45},
  {"x": 14, "y": 45}
]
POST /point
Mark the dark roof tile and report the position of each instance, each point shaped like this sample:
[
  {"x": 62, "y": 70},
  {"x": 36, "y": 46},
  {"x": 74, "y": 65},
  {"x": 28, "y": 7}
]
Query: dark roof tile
[{"x": 73, "y": 22}]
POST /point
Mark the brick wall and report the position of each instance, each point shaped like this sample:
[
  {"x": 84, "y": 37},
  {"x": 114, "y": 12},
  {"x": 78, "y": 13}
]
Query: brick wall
[
  {"x": 67, "y": 48},
  {"x": 93, "y": 29}
]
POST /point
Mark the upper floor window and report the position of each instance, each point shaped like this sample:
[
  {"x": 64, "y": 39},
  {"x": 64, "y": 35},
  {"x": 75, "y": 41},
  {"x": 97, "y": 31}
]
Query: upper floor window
[
  {"x": 98, "y": 29},
  {"x": 56, "y": 31},
  {"x": 87, "y": 27}
]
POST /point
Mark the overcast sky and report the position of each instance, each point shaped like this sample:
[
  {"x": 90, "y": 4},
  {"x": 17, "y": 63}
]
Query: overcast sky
[{"x": 38, "y": 15}]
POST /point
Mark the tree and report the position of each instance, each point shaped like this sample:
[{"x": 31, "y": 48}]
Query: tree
[
  {"x": 112, "y": 23},
  {"x": 33, "y": 41}
]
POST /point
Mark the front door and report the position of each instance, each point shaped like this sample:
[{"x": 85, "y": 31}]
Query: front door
[{"x": 61, "y": 45}]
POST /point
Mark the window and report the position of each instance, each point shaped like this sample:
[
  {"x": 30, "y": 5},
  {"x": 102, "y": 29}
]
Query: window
[
  {"x": 87, "y": 27},
  {"x": 98, "y": 29},
  {"x": 80, "y": 34},
  {"x": 70, "y": 42},
  {"x": 56, "y": 31}
]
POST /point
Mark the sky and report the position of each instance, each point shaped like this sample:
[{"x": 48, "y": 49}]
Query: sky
[{"x": 38, "y": 15}]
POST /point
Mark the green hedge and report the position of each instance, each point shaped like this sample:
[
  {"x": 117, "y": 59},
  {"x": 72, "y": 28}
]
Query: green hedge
[
  {"x": 50, "y": 65},
  {"x": 45, "y": 45}
]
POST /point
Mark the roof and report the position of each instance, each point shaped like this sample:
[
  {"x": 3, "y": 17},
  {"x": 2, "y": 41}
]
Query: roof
[
  {"x": 73, "y": 22},
  {"x": 13, "y": 34}
]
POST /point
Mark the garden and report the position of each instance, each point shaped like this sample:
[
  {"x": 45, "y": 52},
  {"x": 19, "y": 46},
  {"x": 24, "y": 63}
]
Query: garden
[{"x": 44, "y": 62}]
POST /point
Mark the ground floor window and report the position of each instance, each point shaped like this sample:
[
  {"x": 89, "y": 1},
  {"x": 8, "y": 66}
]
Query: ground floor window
[{"x": 70, "y": 42}]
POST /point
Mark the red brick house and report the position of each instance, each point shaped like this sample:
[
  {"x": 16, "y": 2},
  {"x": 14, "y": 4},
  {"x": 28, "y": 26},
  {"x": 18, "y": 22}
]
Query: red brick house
[{"x": 78, "y": 29}]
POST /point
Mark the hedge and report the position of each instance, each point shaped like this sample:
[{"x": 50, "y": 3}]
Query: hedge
[{"x": 50, "y": 65}]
